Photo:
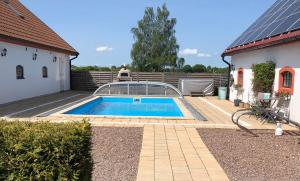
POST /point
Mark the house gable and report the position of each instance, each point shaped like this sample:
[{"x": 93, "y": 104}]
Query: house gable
[{"x": 21, "y": 26}]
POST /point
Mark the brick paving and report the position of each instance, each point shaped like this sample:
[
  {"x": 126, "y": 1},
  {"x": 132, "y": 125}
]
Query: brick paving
[{"x": 176, "y": 153}]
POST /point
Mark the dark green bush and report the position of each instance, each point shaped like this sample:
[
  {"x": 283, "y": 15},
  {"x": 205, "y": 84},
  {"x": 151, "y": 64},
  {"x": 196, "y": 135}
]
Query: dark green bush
[
  {"x": 45, "y": 151},
  {"x": 264, "y": 75}
]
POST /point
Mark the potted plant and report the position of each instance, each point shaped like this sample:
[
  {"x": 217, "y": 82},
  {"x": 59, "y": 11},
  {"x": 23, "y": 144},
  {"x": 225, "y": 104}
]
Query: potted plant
[
  {"x": 247, "y": 105},
  {"x": 239, "y": 91},
  {"x": 286, "y": 95},
  {"x": 263, "y": 80}
]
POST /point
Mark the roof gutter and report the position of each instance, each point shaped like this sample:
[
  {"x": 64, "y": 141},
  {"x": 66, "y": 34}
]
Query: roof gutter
[
  {"x": 70, "y": 64},
  {"x": 289, "y": 37},
  {"x": 228, "y": 76}
]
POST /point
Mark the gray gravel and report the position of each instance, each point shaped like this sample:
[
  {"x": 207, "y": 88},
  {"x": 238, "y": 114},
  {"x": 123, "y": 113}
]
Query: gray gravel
[
  {"x": 249, "y": 158},
  {"x": 116, "y": 153}
]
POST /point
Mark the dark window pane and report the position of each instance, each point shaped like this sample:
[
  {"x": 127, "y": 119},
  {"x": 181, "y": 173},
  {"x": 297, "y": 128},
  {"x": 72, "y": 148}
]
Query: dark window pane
[
  {"x": 287, "y": 80},
  {"x": 19, "y": 72},
  {"x": 45, "y": 72}
]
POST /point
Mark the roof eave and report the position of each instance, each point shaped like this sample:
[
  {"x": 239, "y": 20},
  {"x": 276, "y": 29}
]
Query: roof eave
[
  {"x": 27, "y": 43},
  {"x": 273, "y": 41}
]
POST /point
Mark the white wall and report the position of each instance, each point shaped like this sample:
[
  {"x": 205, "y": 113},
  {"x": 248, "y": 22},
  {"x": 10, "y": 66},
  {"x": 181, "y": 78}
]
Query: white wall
[
  {"x": 286, "y": 55},
  {"x": 34, "y": 84}
]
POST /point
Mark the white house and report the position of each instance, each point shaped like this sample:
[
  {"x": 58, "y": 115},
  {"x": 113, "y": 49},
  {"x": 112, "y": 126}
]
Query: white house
[
  {"x": 34, "y": 60},
  {"x": 274, "y": 36}
]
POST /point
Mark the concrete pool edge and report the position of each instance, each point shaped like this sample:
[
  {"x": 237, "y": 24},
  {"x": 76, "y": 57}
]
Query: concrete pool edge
[{"x": 186, "y": 113}]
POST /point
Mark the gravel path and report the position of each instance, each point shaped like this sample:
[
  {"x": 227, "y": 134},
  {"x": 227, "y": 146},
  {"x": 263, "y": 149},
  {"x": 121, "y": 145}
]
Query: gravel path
[
  {"x": 263, "y": 158},
  {"x": 116, "y": 153}
]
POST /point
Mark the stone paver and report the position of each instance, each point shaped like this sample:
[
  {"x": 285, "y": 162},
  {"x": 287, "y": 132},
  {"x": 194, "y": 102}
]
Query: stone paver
[{"x": 176, "y": 153}]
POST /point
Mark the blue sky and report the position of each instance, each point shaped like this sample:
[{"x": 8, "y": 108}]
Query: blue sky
[{"x": 204, "y": 27}]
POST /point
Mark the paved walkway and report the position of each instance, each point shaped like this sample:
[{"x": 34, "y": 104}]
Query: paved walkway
[
  {"x": 219, "y": 112},
  {"x": 31, "y": 107},
  {"x": 176, "y": 153}
]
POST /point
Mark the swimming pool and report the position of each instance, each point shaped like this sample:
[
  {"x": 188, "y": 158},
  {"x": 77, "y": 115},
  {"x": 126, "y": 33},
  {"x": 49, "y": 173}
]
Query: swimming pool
[{"x": 129, "y": 106}]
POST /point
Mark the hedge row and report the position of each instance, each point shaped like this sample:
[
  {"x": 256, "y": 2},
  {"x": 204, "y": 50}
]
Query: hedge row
[{"x": 45, "y": 151}]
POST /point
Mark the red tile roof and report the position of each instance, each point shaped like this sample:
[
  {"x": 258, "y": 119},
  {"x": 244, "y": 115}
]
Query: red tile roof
[{"x": 20, "y": 26}]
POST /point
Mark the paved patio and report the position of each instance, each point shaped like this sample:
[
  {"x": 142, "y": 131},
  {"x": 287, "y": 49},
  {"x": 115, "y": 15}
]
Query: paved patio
[
  {"x": 32, "y": 107},
  {"x": 171, "y": 150}
]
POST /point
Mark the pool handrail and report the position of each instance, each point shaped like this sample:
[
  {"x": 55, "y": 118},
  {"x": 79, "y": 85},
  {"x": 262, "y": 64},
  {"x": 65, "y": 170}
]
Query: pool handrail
[{"x": 147, "y": 83}]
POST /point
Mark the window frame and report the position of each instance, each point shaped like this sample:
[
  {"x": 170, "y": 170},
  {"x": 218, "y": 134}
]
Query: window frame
[
  {"x": 44, "y": 72},
  {"x": 240, "y": 80},
  {"x": 281, "y": 88},
  {"x": 20, "y": 77}
]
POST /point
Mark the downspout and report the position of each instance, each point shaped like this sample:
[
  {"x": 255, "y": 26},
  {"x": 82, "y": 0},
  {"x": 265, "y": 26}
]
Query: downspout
[
  {"x": 70, "y": 64},
  {"x": 229, "y": 75}
]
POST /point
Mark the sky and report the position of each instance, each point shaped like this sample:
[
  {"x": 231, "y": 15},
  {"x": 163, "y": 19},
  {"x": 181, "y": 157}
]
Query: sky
[{"x": 100, "y": 29}]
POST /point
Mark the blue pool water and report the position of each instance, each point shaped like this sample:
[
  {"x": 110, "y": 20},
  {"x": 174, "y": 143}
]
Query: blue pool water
[{"x": 120, "y": 106}]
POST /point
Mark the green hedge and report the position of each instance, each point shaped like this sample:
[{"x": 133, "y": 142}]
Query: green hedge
[{"x": 45, "y": 151}]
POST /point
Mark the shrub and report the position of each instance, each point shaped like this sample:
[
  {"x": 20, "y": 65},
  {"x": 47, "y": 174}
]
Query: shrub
[
  {"x": 264, "y": 75},
  {"x": 45, "y": 151}
]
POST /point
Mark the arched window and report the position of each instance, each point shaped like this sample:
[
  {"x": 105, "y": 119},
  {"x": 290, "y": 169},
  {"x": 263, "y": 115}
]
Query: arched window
[
  {"x": 20, "y": 72},
  {"x": 286, "y": 80},
  {"x": 240, "y": 77},
  {"x": 45, "y": 72}
]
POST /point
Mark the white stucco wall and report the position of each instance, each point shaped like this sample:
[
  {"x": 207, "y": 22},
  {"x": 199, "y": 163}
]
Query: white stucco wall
[
  {"x": 286, "y": 55},
  {"x": 34, "y": 84}
]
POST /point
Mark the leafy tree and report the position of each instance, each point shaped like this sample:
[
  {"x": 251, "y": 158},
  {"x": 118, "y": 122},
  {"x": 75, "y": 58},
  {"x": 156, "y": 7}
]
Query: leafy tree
[
  {"x": 155, "y": 46},
  {"x": 90, "y": 68},
  {"x": 104, "y": 69},
  {"x": 209, "y": 69},
  {"x": 113, "y": 68},
  {"x": 199, "y": 68},
  {"x": 187, "y": 69},
  {"x": 180, "y": 64}
]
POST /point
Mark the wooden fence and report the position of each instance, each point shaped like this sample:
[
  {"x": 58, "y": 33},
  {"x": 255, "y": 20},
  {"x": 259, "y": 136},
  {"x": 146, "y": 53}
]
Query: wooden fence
[{"x": 91, "y": 80}]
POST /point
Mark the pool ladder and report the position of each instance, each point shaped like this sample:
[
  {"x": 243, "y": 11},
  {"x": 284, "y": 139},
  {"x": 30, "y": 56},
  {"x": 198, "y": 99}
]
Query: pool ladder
[{"x": 137, "y": 100}]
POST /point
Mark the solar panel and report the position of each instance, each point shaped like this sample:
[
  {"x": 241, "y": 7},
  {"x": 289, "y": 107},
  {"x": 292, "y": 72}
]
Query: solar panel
[{"x": 283, "y": 16}]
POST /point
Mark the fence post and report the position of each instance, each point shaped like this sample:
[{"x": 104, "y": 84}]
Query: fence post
[
  {"x": 147, "y": 87},
  {"x": 128, "y": 89},
  {"x": 109, "y": 89}
]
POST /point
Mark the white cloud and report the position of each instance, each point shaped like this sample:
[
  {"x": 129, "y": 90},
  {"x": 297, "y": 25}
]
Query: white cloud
[
  {"x": 194, "y": 52},
  {"x": 104, "y": 49},
  {"x": 189, "y": 51},
  {"x": 207, "y": 55}
]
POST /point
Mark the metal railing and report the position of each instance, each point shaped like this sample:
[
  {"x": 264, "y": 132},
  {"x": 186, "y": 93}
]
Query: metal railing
[{"x": 144, "y": 88}]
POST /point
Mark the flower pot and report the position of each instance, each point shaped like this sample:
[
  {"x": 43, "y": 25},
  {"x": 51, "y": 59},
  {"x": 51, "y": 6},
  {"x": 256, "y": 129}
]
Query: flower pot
[
  {"x": 247, "y": 106},
  {"x": 242, "y": 105},
  {"x": 237, "y": 102}
]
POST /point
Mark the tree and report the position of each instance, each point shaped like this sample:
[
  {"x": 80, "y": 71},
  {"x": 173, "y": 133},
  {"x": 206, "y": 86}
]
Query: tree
[
  {"x": 209, "y": 69},
  {"x": 199, "y": 68},
  {"x": 187, "y": 69},
  {"x": 180, "y": 64},
  {"x": 155, "y": 46},
  {"x": 114, "y": 68}
]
